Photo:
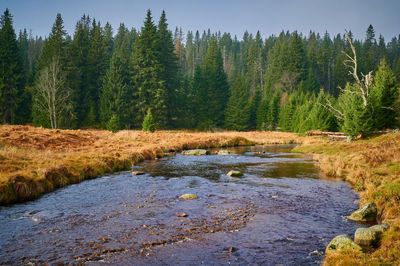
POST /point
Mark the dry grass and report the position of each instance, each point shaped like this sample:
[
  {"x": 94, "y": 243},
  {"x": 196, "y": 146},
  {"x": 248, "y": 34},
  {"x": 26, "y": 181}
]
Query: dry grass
[
  {"x": 34, "y": 161},
  {"x": 372, "y": 166}
]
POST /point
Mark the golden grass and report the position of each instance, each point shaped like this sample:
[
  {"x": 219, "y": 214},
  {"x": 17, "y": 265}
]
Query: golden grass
[
  {"x": 372, "y": 166},
  {"x": 34, "y": 161}
]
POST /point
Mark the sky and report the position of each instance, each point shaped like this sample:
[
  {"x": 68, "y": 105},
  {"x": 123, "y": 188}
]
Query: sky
[{"x": 233, "y": 16}]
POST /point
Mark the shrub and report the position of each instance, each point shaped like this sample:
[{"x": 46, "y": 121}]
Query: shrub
[
  {"x": 113, "y": 124},
  {"x": 148, "y": 123}
]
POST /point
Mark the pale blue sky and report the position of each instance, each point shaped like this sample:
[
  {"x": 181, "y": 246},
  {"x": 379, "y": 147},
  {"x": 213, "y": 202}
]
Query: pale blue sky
[{"x": 234, "y": 16}]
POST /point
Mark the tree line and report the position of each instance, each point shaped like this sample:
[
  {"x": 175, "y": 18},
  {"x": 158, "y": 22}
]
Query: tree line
[{"x": 100, "y": 79}]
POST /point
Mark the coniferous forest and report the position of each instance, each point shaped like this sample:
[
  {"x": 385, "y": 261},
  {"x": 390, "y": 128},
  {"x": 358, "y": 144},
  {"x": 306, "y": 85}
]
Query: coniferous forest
[{"x": 100, "y": 77}]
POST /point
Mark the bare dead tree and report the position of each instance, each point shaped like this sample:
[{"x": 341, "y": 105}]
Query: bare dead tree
[
  {"x": 52, "y": 96},
  {"x": 362, "y": 86}
]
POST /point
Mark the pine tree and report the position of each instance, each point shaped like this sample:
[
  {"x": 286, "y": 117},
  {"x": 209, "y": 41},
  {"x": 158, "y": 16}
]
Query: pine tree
[
  {"x": 146, "y": 69},
  {"x": 254, "y": 104},
  {"x": 148, "y": 122},
  {"x": 78, "y": 70},
  {"x": 168, "y": 68},
  {"x": 237, "y": 111},
  {"x": 55, "y": 44},
  {"x": 96, "y": 70},
  {"x": 217, "y": 85},
  {"x": 11, "y": 75},
  {"x": 384, "y": 94},
  {"x": 262, "y": 113},
  {"x": 368, "y": 52},
  {"x": 357, "y": 119},
  {"x": 113, "y": 124},
  {"x": 116, "y": 96},
  {"x": 320, "y": 118}
]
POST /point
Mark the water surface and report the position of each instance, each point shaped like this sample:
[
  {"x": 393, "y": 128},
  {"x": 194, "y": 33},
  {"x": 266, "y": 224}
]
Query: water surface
[{"x": 281, "y": 212}]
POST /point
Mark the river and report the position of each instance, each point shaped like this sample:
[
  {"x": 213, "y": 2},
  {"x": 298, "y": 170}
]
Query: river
[{"x": 283, "y": 211}]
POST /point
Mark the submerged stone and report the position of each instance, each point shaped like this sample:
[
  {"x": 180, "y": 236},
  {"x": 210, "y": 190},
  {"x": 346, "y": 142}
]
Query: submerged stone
[
  {"x": 196, "y": 152},
  {"x": 342, "y": 242},
  {"x": 223, "y": 152},
  {"x": 188, "y": 196},
  {"x": 234, "y": 173},
  {"x": 367, "y": 213}
]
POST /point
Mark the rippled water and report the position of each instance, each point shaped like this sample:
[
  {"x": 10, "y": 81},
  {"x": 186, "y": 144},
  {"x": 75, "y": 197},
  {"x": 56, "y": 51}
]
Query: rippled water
[{"x": 280, "y": 212}]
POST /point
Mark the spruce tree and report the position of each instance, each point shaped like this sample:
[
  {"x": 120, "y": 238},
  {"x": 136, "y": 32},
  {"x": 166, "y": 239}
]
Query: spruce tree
[
  {"x": 357, "y": 118},
  {"x": 384, "y": 94},
  {"x": 78, "y": 70},
  {"x": 319, "y": 117},
  {"x": 116, "y": 97},
  {"x": 96, "y": 70},
  {"x": 237, "y": 111},
  {"x": 146, "y": 69},
  {"x": 113, "y": 124},
  {"x": 217, "y": 85},
  {"x": 168, "y": 68},
  {"x": 11, "y": 75},
  {"x": 148, "y": 122}
]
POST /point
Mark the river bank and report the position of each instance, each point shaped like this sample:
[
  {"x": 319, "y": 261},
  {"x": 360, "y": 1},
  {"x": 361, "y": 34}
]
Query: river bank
[
  {"x": 35, "y": 161},
  {"x": 372, "y": 167}
]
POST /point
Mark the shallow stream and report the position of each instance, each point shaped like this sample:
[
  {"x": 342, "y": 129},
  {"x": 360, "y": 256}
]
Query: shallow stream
[{"x": 281, "y": 212}]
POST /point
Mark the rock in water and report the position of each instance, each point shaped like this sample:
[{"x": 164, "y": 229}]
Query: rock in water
[
  {"x": 137, "y": 173},
  {"x": 366, "y": 237},
  {"x": 367, "y": 213},
  {"x": 223, "y": 152},
  {"x": 196, "y": 152},
  {"x": 342, "y": 242},
  {"x": 234, "y": 173},
  {"x": 188, "y": 196}
]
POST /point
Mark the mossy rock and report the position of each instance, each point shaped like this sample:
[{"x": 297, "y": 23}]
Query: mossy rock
[
  {"x": 188, "y": 196},
  {"x": 196, "y": 152},
  {"x": 380, "y": 227},
  {"x": 234, "y": 173},
  {"x": 367, "y": 213},
  {"x": 367, "y": 237},
  {"x": 342, "y": 242}
]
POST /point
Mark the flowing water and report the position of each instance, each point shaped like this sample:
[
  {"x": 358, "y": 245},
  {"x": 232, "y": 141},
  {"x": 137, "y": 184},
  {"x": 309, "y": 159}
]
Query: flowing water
[{"x": 281, "y": 212}]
